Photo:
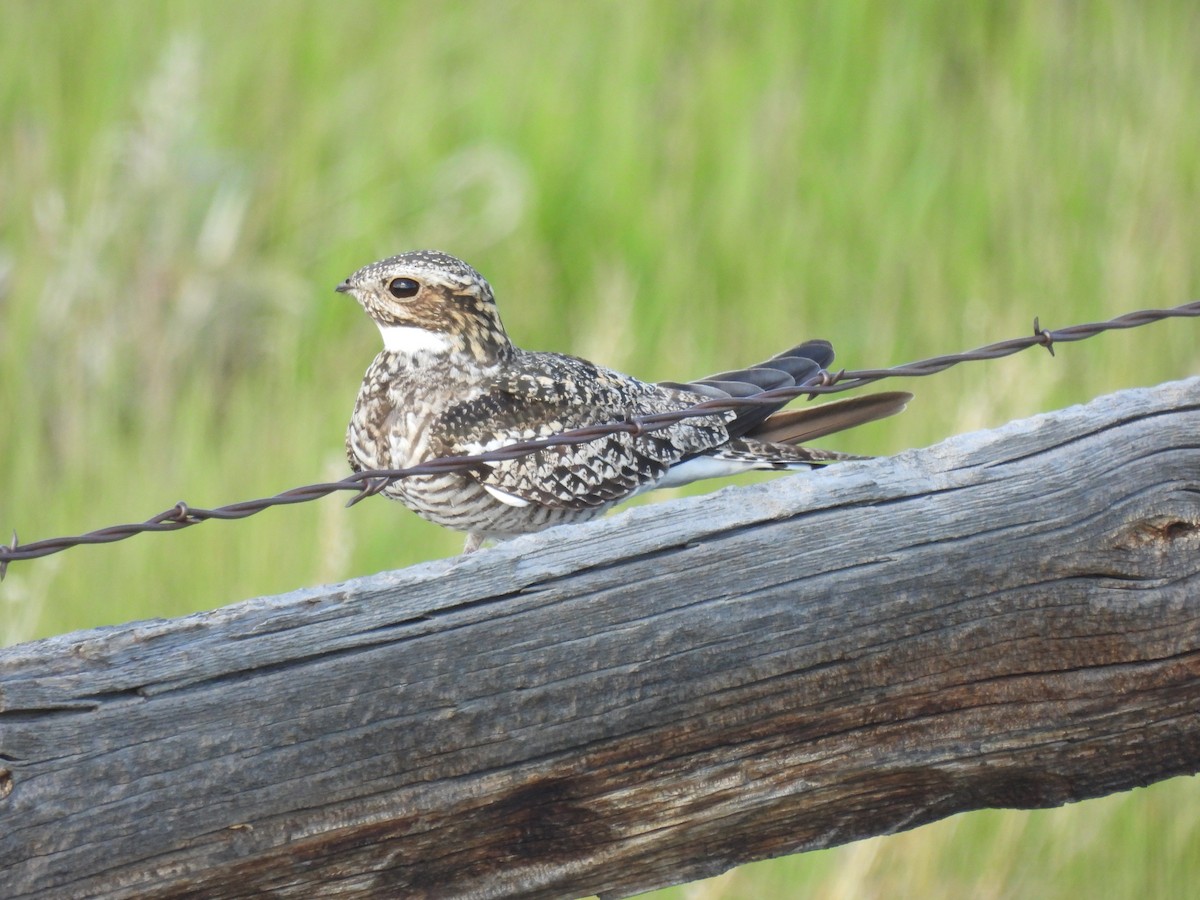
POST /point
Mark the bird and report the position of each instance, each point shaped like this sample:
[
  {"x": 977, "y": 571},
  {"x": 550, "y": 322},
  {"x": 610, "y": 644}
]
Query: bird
[{"x": 450, "y": 382}]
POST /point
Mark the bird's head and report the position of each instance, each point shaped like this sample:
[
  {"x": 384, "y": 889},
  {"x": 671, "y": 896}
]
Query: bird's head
[{"x": 427, "y": 302}]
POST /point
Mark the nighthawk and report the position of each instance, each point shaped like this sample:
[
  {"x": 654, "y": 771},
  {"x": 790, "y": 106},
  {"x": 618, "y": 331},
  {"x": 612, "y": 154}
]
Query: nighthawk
[{"x": 449, "y": 382}]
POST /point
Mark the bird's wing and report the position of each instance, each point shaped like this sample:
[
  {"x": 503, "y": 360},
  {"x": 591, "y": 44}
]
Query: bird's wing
[
  {"x": 788, "y": 369},
  {"x": 792, "y": 368},
  {"x": 549, "y": 394}
]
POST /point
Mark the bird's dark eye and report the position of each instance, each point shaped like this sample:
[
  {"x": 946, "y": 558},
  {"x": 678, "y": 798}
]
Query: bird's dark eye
[{"x": 403, "y": 288}]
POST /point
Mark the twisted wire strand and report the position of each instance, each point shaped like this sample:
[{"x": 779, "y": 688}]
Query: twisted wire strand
[{"x": 368, "y": 483}]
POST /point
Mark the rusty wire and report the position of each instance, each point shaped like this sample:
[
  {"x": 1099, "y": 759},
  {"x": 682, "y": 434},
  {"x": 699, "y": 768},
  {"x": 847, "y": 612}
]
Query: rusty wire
[{"x": 370, "y": 482}]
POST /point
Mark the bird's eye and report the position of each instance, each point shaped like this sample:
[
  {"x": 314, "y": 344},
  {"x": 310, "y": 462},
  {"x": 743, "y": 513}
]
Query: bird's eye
[{"x": 403, "y": 288}]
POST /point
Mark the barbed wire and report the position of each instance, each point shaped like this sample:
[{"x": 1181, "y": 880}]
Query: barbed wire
[{"x": 370, "y": 482}]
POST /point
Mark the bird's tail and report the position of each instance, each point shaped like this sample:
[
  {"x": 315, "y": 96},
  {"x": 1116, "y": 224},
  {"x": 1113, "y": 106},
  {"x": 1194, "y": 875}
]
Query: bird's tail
[{"x": 796, "y": 426}]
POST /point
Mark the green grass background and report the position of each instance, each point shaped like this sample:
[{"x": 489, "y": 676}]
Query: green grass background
[{"x": 668, "y": 188}]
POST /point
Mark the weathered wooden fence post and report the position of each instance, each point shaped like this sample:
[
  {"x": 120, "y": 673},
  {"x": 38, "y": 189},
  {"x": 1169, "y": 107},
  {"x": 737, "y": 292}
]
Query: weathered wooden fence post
[{"x": 1010, "y": 618}]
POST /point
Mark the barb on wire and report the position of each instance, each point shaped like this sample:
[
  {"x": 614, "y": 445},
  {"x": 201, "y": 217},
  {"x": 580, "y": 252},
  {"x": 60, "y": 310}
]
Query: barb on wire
[
  {"x": 368, "y": 483},
  {"x": 1045, "y": 336}
]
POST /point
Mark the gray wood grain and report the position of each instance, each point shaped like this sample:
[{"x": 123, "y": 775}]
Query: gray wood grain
[{"x": 1009, "y": 618}]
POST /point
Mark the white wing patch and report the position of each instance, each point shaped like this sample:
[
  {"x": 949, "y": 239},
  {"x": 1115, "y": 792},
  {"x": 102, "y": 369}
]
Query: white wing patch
[
  {"x": 700, "y": 467},
  {"x": 510, "y": 499}
]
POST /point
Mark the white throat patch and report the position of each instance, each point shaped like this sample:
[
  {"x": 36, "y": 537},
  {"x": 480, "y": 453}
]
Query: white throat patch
[{"x": 409, "y": 339}]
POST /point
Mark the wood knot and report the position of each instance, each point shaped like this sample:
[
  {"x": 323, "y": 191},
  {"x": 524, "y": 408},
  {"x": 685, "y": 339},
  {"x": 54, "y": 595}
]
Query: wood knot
[
  {"x": 550, "y": 817},
  {"x": 1161, "y": 532}
]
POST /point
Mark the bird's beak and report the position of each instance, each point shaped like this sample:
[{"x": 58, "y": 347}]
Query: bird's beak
[{"x": 345, "y": 287}]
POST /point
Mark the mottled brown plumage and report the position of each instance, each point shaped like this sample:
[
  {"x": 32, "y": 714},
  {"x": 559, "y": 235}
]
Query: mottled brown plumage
[{"x": 449, "y": 382}]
